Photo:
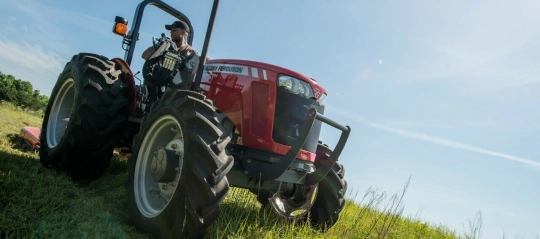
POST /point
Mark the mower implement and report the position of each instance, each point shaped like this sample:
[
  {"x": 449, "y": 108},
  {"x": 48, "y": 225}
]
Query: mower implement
[{"x": 29, "y": 136}]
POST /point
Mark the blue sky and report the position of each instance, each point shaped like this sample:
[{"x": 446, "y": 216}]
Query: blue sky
[{"x": 444, "y": 93}]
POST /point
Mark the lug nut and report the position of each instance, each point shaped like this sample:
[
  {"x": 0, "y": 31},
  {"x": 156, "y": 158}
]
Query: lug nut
[{"x": 154, "y": 191}]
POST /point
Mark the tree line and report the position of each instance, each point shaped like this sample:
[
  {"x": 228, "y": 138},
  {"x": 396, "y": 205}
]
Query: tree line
[{"x": 21, "y": 94}]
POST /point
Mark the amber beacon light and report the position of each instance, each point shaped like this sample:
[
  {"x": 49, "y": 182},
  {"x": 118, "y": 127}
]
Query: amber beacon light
[{"x": 120, "y": 26}]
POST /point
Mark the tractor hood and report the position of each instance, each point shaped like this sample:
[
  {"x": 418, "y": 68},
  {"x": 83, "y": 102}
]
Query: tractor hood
[{"x": 246, "y": 67}]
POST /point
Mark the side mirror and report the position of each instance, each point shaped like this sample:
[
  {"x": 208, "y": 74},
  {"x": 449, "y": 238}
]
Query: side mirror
[{"x": 120, "y": 26}]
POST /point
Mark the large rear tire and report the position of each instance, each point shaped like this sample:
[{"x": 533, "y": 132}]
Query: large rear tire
[
  {"x": 330, "y": 198},
  {"x": 85, "y": 117},
  {"x": 177, "y": 173}
]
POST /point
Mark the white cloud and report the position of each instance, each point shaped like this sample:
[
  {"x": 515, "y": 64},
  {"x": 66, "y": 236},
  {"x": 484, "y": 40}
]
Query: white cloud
[
  {"x": 436, "y": 140},
  {"x": 41, "y": 59},
  {"x": 478, "y": 48},
  {"x": 519, "y": 125},
  {"x": 12, "y": 18},
  {"x": 50, "y": 25},
  {"x": 30, "y": 63},
  {"x": 48, "y": 16},
  {"x": 416, "y": 124},
  {"x": 452, "y": 144},
  {"x": 454, "y": 125},
  {"x": 363, "y": 75},
  {"x": 29, "y": 56}
]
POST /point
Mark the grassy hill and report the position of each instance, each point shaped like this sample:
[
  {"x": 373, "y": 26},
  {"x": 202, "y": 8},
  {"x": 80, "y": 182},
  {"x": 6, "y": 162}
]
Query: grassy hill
[{"x": 37, "y": 202}]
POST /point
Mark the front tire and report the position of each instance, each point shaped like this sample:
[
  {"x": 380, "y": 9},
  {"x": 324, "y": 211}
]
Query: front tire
[
  {"x": 185, "y": 201},
  {"x": 330, "y": 199},
  {"x": 85, "y": 117}
]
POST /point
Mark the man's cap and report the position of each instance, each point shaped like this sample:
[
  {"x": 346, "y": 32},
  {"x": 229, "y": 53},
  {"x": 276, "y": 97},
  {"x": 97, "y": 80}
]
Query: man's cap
[{"x": 178, "y": 24}]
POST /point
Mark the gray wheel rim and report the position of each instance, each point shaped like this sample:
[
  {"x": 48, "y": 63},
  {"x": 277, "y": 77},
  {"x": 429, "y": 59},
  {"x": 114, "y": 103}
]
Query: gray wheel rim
[
  {"x": 152, "y": 197},
  {"x": 60, "y": 113}
]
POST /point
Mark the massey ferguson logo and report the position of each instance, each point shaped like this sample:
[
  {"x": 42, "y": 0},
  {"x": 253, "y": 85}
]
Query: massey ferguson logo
[
  {"x": 227, "y": 69},
  {"x": 317, "y": 92},
  {"x": 231, "y": 69}
]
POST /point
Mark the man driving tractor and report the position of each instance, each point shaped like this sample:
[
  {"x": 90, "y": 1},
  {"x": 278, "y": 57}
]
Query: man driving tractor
[{"x": 179, "y": 31}]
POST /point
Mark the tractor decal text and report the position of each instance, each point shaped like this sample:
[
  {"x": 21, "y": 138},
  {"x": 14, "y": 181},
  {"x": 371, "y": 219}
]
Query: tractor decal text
[{"x": 227, "y": 68}]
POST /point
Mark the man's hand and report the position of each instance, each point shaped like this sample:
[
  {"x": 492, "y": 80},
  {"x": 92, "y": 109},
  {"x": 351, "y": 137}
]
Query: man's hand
[{"x": 147, "y": 53}]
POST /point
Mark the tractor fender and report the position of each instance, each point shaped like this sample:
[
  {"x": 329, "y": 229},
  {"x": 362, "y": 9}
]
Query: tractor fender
[{"x": 130, "y": 81}]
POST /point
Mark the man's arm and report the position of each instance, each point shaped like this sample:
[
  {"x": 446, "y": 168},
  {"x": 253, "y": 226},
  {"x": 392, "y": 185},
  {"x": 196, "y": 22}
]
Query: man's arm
[{"x": 147, "y": 53}]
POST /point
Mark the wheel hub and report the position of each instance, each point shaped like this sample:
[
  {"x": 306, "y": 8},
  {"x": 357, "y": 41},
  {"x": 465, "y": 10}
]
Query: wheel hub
[
  {"x": 164, "y": 164},
  {"x": 296, "y": 205},
  {"x": 159, "y": 166}
]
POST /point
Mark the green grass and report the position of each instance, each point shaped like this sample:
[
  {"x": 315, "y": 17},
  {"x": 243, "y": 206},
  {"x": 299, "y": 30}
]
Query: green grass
[{"x": 37, "y": 202}]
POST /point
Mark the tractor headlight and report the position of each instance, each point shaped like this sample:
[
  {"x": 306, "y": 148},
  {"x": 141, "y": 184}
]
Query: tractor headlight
[
  {"x": 285, "y": 82},
  {"x": 295, "y": 86}
]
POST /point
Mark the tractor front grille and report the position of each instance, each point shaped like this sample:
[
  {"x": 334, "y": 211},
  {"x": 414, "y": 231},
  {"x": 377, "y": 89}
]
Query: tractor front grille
[{"x": 290, "y": 114}]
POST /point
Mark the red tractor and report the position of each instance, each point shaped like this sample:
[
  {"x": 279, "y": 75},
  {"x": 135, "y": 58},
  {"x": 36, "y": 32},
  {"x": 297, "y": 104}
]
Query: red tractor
[{"x": 235, "y": 123}]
